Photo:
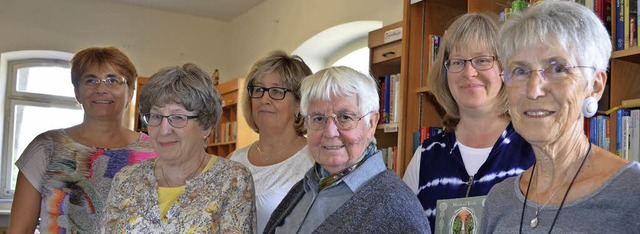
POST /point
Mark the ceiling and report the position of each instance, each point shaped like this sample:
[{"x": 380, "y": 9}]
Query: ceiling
[{"x": 224, "y": 10}]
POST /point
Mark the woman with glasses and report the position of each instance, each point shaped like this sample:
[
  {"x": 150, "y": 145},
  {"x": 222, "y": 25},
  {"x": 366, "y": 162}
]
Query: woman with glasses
[
  {"x": 479, "y": 146},
  {"x": 271, "y": 108},
  {"x": 184, "y": 190},
  {"x": 556, "y": 56},
  {"x": 65, "y": 174},
  {"x": 349, "y": 189}
]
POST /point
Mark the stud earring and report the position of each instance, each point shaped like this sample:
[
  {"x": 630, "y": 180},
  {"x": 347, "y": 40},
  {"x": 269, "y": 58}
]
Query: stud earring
[{"x": 589, "y": 107}]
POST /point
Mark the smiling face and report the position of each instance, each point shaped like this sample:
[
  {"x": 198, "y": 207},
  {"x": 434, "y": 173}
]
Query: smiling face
[
  {"x": 102, "y": 101},
  {"x": 546, "y": 111},
  {"x": 273, "y": 114},
  {"x": 173, "y": 143},
  {"x": 472, "y": 88},
  {"x": 337, "y": 149}
]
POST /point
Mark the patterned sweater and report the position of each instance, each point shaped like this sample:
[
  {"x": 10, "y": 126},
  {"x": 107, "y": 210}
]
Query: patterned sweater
[
  {"x": 443, "y": 174},
  {"x": 220, "y": 200},
  {"x": 74, "y": 179}
]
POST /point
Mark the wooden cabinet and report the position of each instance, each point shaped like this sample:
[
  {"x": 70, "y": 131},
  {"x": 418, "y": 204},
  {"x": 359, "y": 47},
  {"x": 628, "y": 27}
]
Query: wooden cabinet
[
  {"x": 233, "y": 132},
  {"x": 384, "y": 61},
  {"x": 420, "y": 20}
]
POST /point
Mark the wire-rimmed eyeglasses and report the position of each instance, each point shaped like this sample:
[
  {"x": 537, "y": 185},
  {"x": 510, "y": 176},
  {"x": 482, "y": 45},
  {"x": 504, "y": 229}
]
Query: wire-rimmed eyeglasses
[
  {"x": 275, "y": 93},
  {"x": 176, "y": 121},
  {"x": 110, "y": 81},
  {"x": 342, "y": 121},
  {"x": 555, "y": 72},
  {"x": 480, "y": 63}
]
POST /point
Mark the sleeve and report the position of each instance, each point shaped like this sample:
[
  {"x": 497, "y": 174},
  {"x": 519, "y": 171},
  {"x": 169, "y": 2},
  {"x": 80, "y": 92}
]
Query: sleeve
[
  {"x": 110, "y": 215},
  {"x": 33, "y": 162},
  {"x": 412, "y": 174},
  {"x": 242, "y": 205}
]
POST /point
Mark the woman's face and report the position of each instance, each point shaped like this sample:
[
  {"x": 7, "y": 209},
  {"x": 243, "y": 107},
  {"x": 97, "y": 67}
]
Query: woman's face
[
  {"x": 331, "y": 147},
  {"x": 472, "y": 88},
  {"x": 268, "y": 113},
  {"x": 172, "y": 143},
  {"x": 103, "y": 101},
  {"x": 545, "y": 110}
]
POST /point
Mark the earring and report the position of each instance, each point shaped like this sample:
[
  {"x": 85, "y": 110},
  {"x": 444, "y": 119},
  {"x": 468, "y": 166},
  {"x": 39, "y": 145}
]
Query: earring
[
  {"x": 298, "y": 117},
  {"x": 589, "y": 107}
]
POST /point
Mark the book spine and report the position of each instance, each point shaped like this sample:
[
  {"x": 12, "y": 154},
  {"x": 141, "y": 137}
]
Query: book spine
[
  {"x": 626, "y": 23},
  {"x": 387, "y": 93},
  {"x": 592, "y": 132},
  {"x": 625, "y": 137},
  {"x": 619, "y": 24},
  {"x": 619, "y": 114},
  {"x": 396, "y": 99},
  {"x": 634, "y": 138}
]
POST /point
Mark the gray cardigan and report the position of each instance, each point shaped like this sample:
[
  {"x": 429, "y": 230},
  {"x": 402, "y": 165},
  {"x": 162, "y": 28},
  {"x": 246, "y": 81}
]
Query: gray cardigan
[{"x": 383, "y": 205}]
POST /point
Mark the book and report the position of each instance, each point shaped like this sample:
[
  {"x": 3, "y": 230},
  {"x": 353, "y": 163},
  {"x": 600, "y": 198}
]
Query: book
[
  {"x": 634, "y": 135},
  {"x": 619, "y": 45},
  {"x": 626, "y": 23},
  {"x": 625, "y": 137},
  {"x": 460, "y": 215},
  {"x": 633, "y": 23},
  {"x": 435, "y": 45},
  {"x": 619, "y": 114},
  {"x": 387, "y": 93}
]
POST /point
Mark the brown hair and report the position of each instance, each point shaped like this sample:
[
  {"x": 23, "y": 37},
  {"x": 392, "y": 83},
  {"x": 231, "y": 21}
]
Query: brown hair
[
  {"x": 476, "y": 28},
  {"x": 291, "y": 69},
  {"x": 97, "y": 57}
]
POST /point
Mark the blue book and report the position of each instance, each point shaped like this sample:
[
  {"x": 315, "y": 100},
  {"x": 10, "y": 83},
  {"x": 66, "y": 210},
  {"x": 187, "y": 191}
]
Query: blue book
[
  {"x": 416, "y": 140},
  {"x": 619, "y": 25},
  {"x": 592, "y": 130},
  {"x": 619, "y": 114}
]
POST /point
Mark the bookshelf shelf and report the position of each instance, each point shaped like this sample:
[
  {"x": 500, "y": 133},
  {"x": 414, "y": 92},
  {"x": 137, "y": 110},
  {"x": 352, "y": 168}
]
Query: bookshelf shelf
[
  {"x": 631, "y": 55},
  {"x": 385, "y": 61}
]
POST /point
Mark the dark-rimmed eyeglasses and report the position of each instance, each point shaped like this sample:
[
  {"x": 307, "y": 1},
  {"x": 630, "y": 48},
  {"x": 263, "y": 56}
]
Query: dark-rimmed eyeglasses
[
  {"x": 480, "y": 63},
  {"x": 275, "y": 93},
  {"x": 111, "y": 81},
  {"x": 176, "y": 121},
  {"x": 555, "y": 72},
  {"x": 342, "y": 121}
]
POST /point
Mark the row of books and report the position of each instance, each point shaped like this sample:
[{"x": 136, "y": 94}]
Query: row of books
[
  {"x": 434, "y": 45},
  {"x": 227, "y": 132},
  {"x": 424, "y": 134},
  {"x": 597, "y": 129},
  {"x": 628, "y": 133},
  {"x": 389, "y": 98},
  {"x": 626, "y": 19},
  {"x": 390, "y": 156}
]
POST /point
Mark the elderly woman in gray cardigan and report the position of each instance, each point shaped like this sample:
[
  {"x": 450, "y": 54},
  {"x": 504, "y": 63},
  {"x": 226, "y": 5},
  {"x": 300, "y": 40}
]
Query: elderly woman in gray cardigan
[{"x": 349, "y": 189}]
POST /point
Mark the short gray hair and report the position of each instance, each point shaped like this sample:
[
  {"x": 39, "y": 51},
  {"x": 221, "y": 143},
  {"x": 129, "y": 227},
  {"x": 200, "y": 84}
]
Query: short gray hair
[
  {"x": 340, "y": 81},
  {"x": 569, "y": 24},
  {"x": 189, "y": 86}
]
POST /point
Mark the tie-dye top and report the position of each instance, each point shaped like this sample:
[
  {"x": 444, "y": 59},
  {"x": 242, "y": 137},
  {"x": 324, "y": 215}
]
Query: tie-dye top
[
  {"x": 74, "y": 179},
  {"x": 442, "y": 173}
]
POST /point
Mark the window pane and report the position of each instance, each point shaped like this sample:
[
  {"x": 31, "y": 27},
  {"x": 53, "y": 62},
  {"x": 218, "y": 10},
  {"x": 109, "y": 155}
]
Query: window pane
[
  {"x": 45, "y": 80},
  {"x": 29, "y": 121}
]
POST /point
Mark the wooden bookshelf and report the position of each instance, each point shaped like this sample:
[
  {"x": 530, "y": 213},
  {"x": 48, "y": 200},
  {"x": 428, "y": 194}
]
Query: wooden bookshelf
[
  {"x": 421, "y": 19},
  {"x": 229, "y": 136}
]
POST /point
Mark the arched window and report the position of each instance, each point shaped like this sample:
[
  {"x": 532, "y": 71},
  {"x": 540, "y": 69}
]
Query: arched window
[{"x": 38, "y": 96}]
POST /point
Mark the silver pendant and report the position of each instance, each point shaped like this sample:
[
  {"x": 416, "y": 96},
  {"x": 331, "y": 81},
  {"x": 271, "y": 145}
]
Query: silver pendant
[{"x": 534, "y": 222}]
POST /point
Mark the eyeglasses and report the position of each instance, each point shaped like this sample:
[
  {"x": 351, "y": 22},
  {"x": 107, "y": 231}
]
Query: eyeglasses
[
  {"x": 275, "y": 93},
  {"x": 176, "y": 121},
  {"x": 110, "y": 82},
  {"x": 480, "y": 63},
  {"x": 343, "y": 121},
  {"x": 555, "y": 72}
]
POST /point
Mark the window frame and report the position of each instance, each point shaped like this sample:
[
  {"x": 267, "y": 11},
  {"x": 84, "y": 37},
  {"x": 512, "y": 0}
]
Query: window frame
[{"x": 13, "y": 98}]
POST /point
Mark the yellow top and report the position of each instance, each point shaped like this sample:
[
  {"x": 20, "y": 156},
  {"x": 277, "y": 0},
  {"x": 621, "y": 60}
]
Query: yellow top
[{"x": 168, "y": 196}]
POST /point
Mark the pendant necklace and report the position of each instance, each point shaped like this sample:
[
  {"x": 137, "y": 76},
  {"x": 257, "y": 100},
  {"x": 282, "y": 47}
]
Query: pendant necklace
[{"x": 535, "y": 221}]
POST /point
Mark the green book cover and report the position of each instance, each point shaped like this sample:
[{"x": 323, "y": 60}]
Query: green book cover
[{"x": 459, "y": 216}]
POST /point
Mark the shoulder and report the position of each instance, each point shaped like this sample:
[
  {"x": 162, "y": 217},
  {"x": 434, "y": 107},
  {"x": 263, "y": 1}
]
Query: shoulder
[
  {"x": 441, "y": 141},
  {"x": 230, "y": 167},
  {"x": 240, "y": 155},
  {"x": 132, "y": 171}
]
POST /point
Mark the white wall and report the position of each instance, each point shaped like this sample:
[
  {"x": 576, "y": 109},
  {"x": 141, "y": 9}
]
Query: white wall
[
  {"x": 152, "y": 39},
  {"x": 155, "y": 39}
]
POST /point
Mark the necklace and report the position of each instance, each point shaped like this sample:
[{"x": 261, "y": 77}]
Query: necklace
[
  {"x": 535, "y": 220},
  {"x": 164, "y": 176},
  {"x": 266, "y": 156}
]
